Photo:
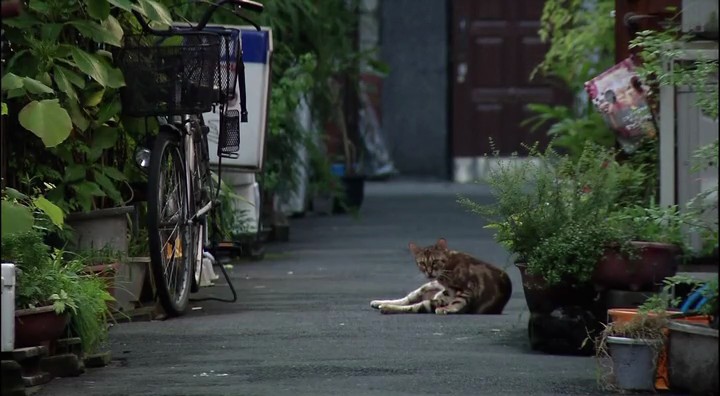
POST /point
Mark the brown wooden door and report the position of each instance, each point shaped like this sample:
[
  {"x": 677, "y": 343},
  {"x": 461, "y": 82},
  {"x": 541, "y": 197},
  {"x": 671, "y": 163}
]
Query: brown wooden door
[{"x": 495, "y": 47}]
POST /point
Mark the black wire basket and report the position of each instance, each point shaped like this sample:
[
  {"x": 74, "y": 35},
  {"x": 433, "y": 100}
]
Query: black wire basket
[
  {"x": 169, "y": 75},
  {"x": 226, "y": 73},
  {"x": 229, "y": 136}
]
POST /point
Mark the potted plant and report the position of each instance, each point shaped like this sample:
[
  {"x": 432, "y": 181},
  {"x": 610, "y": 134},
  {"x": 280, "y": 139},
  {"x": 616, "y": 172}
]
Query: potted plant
[
  {"x": 650, "y": 248},
  {"x": 349, "y": 170},
  {"x": 325, "y": 185},
  {"x": 54, "y": 295},
  {"x": 42, "y": 304},
  {"x": 550, "y": 213},
  {"x": 667, "y": 304},
  {"x": 628, "y": 352}
]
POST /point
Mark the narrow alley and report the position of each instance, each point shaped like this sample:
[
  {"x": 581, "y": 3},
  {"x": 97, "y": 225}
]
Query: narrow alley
[{"x": 303, "y": 325}]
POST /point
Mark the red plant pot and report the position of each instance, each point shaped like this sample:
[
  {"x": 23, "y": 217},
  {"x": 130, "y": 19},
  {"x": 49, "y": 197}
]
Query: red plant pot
[
  {"x": 35, "y": 326},
  {"x": 655, "y": 262}
]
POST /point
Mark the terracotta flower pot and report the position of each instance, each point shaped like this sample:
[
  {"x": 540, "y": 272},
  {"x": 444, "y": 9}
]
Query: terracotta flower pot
[
  {"x": 656, "y": 262},
  {"x": 35, "y": 326}
]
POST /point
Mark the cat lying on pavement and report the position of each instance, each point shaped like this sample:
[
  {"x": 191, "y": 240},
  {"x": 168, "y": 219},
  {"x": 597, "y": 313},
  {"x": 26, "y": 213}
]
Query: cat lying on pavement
[{"x": 459, "y": 283}]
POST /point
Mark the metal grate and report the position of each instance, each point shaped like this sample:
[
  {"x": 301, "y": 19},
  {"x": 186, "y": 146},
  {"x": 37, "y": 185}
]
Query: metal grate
[
  {"x": 229, "y": 139},
  {"x": 169, "y": 75}
]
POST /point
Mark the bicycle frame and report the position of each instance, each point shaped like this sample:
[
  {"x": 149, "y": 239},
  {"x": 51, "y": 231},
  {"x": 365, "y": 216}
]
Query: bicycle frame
[{"x": 189, "y": 130}]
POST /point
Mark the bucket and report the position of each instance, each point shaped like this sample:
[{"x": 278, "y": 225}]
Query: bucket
[
  {"x": 634, "y": 362},
  {"x": 620, "y": 315},
  {"x": 693, "y": 358}
]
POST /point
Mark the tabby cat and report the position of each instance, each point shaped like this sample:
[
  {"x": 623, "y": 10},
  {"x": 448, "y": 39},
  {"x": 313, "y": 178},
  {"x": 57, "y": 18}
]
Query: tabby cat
[{"x": 459, "y": 283}]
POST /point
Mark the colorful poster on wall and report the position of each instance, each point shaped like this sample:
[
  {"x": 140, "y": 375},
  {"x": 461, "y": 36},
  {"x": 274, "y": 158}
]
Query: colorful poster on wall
[{"x": 620, "y": 97}]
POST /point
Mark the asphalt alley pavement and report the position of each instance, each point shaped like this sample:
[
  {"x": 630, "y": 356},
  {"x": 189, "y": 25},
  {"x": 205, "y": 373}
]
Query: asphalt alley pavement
[{"x": 303, "y": 325}]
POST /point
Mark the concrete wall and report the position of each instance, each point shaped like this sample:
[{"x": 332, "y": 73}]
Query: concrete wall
[{"x": 414, "y": 43}]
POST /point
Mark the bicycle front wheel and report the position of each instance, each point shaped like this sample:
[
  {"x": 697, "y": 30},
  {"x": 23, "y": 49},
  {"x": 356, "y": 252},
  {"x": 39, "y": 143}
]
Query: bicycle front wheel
[{"x": 170, "y": 235}]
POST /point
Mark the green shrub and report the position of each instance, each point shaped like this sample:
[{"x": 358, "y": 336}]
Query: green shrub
[{"x": 552, "y": 213}]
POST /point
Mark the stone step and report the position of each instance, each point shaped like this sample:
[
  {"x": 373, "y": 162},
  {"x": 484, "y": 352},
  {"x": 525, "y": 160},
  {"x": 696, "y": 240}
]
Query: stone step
[
  {"x": 65, "y": 365},
  {"x": 29, "y": 361},
  {"x": 98, "y": 359},
  {"x": 12, "y": 380},
  {"x": 69, "y": 345}
]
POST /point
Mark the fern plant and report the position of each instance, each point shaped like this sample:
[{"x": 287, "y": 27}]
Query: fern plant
[{"x": 552, "y": 213}]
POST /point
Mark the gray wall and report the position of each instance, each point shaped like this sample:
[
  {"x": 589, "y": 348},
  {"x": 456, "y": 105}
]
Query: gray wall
[{"x": 414, "y": 43}]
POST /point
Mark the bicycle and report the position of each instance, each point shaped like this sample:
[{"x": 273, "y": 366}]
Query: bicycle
[{"x": 176, "y": 75}]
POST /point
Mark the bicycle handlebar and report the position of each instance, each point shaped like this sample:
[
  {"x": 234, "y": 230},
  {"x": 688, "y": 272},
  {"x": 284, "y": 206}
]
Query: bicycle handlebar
[{"x": 242, "y": 4}]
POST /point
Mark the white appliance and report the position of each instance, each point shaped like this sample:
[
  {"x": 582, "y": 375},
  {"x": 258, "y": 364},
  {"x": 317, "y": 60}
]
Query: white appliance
[
  {"x": 239, "y": 173},
  {"x": 8, "y": 307}
]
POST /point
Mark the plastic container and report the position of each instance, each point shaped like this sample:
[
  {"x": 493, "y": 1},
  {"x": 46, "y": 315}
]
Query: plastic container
[
  {"x": 634, "y": 362},
  {"x": 8, "y": 307},
  {"x": 620, "y": 315},
  {"x": 693, "y": 358}
]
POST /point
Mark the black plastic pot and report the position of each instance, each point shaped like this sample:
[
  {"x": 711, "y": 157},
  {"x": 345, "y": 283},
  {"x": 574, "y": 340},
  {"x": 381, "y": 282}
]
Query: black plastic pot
[
  {"x": 354, "y": 189},
  {"x": 542, "y": 298},
  {"x": 561, "y": 316}
]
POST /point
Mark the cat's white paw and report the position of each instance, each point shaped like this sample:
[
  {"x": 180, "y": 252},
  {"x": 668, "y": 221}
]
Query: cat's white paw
[
  {"x": 387, "y": 309},
  {"x": 376, "y": 303},
  {"x": 441, "y": 311}
]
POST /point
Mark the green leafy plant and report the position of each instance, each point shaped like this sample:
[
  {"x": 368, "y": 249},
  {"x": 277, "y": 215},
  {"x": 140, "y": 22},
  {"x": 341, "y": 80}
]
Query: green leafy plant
[
  {"x": 20, "y": 213},
  {"x": 702, "y": 208},
  {"x": 322, "y": 180},
  {"x": 551, "y": 213},
  {"x": 139, "y": 243},
  {"x": 41, "y": 280},
  {"x": 651, "y": 223},
  {"x": 89, "y": 291},
  {"x": 285, "y": 135},
  {"x": 581, "y": 46},
  {"x": 231, "y": 222},
  {"x": 667, "y": 299},
  {"x": 56, "y": 278},
  {"x": 61, "y": 84},
  {"x": 568, "y": 129},
  {"x": 314, "y": 49},
  {"x": 655, "y": 48},
  {"x": 45, "y": 117}
]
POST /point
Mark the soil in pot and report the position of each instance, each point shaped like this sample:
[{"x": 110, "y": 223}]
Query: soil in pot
[
  {"x": 35, "y": 326},
  {"x": 655, "y": 262},
  {"x": 693, "y": 358},
  {"x": 634, "y": 362}
]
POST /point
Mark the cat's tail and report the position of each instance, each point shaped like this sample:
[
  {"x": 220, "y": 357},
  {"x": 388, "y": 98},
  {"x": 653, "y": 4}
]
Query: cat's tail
[{"x": 504, "y": 294}]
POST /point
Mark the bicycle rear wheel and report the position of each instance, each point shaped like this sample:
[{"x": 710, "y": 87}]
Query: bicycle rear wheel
[{"x": 170, "y": 236}]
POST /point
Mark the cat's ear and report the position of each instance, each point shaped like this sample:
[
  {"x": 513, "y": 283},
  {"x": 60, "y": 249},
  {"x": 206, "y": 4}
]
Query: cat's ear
[
  {"x": 442, "y": 243},
  {"x": 414, "y": 249}
]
